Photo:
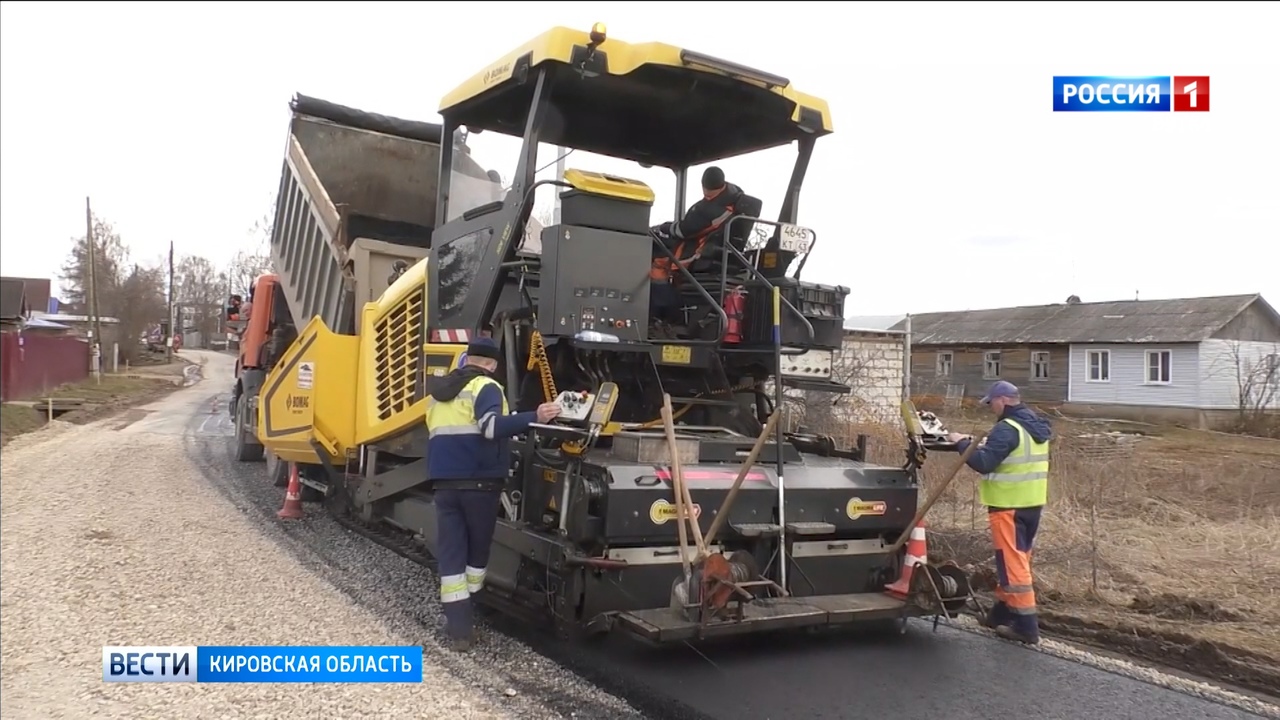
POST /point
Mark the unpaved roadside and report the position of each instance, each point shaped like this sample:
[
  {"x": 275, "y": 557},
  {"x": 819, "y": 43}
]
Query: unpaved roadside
[
  {"x": 110, "y": 394},
  {"x": 111, "y": 538}
]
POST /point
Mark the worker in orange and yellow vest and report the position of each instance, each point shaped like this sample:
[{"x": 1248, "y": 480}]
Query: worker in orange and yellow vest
[{"x": 1014, "y": 463}]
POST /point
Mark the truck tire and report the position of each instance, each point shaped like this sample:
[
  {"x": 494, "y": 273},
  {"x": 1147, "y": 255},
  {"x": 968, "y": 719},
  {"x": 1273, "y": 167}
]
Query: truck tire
[
  {"x": 277, "y": 471},
  {"x": 247, "y": 447}
]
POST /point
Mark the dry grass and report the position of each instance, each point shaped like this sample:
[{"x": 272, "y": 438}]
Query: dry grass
[
  {"x": 112, "y": 388},
  {"x": 1176, "y": 531},
  {"x": 16, "y": 420}
]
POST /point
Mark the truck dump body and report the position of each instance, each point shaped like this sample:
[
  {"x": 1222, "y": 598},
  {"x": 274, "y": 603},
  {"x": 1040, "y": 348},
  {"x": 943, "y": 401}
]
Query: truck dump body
[{"x": 351, "y": 175}]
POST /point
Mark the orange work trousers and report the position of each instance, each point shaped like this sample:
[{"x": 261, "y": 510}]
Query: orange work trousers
[{"x": 1013, "y": 533}]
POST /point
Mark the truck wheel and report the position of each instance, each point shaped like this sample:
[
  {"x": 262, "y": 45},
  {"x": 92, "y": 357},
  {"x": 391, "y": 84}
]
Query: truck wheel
[
  {"x": 278, "y": 471},
  {"x": 247, "y": 449}
]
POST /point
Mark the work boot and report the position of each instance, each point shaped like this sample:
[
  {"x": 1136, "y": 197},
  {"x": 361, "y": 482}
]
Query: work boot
[
  {"x": 661, "y": 330},
  {"x": 1008, "y": 633},
  {"x": 998, "y": 616}
]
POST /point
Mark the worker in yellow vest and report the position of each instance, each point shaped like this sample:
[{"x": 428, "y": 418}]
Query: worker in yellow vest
[
  {"x": 468, "y": 424},
  {"x": 1014, "y": 463}
]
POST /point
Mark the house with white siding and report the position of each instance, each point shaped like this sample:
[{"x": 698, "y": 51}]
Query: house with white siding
[{"x": 1195, "y": 361}]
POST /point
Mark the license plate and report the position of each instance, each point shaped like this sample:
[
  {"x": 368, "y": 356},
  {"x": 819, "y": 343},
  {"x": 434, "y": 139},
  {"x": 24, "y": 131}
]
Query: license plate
[{"x": 793, "y": 238}]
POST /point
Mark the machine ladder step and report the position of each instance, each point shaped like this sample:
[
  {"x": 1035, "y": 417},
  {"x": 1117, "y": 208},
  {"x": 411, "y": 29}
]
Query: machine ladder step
[
  {"x": 811, "y": 528},
  {"x": 702, "y": 401},
  {"x": 756, "y": 529}
]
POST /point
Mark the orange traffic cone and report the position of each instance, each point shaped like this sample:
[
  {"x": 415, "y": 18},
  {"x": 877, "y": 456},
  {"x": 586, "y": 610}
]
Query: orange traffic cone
[
  {"x": 917, "y": 554},
  {"x": 292, "y": 509}
]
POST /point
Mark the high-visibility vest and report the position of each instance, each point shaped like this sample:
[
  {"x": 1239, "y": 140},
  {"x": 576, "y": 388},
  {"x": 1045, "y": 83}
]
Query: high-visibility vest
[
  {"x": 458, "y": 416},
  {"x": 1022, "y": 480}
]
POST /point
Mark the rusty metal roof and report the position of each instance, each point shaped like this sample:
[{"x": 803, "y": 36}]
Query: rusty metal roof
[{"x": 1128, "y": 321}]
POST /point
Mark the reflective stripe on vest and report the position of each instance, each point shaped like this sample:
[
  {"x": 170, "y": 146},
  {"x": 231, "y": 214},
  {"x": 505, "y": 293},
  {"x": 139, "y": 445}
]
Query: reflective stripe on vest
[
  {"x": 1022, "y": 480},
  {"x": 458, "y": 416}
]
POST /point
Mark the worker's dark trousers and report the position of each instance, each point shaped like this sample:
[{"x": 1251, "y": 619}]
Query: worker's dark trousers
[
  {"x": 1013, "y": 532},
  {"x": 465, "y": 520},
  {"x": 664, "y": 303}
]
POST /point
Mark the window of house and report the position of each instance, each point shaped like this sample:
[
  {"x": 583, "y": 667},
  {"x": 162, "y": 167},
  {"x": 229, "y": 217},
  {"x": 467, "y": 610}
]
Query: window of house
[
  {"x": 1040, "y": 365},
  {"x": 1099, "y": 366},
  {"x": 991, "y": 364},
  {"x": 1160, "y": 366},
  {"x": 1273, "y": 363},
  {"x": 944, "y": 364}
]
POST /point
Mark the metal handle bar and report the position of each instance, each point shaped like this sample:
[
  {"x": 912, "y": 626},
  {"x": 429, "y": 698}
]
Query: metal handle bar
[
  {"x": 724, "y": 317},
  {"x": 724, "y": 268}
]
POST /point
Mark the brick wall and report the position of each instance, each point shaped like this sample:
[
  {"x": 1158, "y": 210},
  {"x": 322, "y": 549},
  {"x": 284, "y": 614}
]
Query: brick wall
[{"x": 871, "y": 363}]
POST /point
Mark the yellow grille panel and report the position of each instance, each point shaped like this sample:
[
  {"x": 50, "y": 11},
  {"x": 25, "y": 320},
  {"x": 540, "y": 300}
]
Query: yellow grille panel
[{"x": 397, "y": 347}]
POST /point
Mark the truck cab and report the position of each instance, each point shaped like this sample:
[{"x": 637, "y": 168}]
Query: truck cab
[{"x": 264, "y": 328}]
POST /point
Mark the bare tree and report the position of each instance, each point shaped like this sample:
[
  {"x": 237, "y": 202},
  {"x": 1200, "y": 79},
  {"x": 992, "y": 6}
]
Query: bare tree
[
  {"x": 132, "y": 293},
  {"x": 544, "y": 214},
  {"x": 111, "y": 258},
  {"x": 871, "y": 368},
  {"x": 1256, "y": 371},
  {"x": 244, "y": 268},
  {"x": 200, "y": 293},
  {"x": 260, "y": 231},
  {"x": 248, "y": 263},
  {"x": 142, "y": 303}
]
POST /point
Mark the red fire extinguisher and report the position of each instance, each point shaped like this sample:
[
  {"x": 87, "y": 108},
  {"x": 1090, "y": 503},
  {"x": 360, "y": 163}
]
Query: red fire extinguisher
[{"x": 735, "y": 304}]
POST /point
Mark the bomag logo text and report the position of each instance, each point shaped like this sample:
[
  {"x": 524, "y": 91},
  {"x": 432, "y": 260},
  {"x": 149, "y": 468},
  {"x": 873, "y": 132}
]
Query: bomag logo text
[
  {"x": 297, "y": 402},
  {"x": 496, "y": 73}
]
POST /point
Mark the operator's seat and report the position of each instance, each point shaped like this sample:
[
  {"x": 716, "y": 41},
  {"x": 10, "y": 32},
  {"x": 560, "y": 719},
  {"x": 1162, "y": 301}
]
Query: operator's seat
[{"x": 737, "y": 234}]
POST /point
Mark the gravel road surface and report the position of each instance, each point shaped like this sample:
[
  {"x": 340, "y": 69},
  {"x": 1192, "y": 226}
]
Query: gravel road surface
[
  {"x": 236, "y": 574},
  {"x": 112, "y": 537}
]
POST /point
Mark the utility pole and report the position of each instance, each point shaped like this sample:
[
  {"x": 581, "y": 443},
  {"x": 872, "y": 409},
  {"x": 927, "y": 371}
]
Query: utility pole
[
  {"x": 91, "y": 298},
  {"x": 168, "y": 350}
]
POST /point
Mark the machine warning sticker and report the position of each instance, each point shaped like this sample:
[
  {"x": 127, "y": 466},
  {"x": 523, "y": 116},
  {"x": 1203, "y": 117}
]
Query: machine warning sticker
[
  {"x": 306, "y": 375},
  {"x": 663, "y": 510},
  {"x": 858, "y": 507},
  {"x": 677, "y": 354}
]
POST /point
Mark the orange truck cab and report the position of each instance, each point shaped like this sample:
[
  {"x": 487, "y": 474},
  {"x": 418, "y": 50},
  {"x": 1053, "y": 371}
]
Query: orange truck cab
[{"x": 265, "y": 329}]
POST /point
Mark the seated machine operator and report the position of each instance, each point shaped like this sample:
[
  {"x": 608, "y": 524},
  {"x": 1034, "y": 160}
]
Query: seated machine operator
[{"x": 686, "y": 239}]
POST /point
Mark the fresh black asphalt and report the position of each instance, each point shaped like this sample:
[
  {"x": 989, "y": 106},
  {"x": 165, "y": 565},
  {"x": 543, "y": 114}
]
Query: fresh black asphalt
[{"x": 952, "y": 674}]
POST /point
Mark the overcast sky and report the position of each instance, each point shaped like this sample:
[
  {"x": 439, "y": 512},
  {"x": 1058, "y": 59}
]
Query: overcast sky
[{"x": 948, "y": 184}]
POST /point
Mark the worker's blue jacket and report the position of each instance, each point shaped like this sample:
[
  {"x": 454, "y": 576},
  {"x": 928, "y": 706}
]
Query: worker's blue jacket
[
  {"x": 1004, "y": 438},
  {"x": 468, "y": 427}
]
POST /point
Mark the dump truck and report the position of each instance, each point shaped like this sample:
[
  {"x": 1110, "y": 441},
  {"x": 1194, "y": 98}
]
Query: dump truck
[
  {"x": 355, "y": 207},
  {"x": 668, "y": 500}
]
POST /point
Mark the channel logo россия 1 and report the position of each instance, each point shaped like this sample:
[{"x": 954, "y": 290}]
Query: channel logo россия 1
[{"x": 1104, "y": 93}]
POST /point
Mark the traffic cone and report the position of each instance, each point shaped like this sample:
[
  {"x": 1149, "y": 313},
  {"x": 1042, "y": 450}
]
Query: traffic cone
[
  {"x": 917, "y": 554},
  {"x": 292, "y": 509}
]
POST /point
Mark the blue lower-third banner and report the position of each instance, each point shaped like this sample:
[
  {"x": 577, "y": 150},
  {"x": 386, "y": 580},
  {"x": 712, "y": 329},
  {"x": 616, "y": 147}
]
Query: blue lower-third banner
[{"x": 266, "y": 663}]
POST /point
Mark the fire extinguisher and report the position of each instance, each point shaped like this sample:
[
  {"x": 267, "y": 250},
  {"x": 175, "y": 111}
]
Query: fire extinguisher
[{"x": 734, "y": 307}]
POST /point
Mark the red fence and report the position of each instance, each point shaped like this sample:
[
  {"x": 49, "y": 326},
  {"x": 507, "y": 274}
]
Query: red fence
[{"x": 33, "y": 364}]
